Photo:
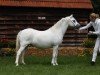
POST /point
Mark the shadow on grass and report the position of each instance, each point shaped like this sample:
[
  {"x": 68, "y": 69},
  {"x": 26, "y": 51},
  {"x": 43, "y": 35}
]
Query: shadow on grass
[
  {"x": 46, "y": 60},
  {"x": 62, "y": 60}
]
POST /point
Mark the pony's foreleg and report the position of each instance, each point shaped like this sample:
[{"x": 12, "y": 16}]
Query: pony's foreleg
[
  {"x": 54, "y": 56},
  {"x": 18, "y": 55}
]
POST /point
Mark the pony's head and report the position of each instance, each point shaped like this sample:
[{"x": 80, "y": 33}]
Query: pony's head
[{"x": 72, "y": 21}]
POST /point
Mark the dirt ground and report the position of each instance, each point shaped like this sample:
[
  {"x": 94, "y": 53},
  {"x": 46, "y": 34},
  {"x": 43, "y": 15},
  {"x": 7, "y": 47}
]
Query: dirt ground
[{"x": 64, "y": 51}]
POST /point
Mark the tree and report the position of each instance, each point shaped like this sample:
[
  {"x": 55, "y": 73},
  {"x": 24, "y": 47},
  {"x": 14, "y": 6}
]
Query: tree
[{"x": 96, "y": 5}]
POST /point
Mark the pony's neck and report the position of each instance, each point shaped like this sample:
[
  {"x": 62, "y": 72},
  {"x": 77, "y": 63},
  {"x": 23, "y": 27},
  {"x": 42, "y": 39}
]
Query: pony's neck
[{"x": 60, "y": 27}]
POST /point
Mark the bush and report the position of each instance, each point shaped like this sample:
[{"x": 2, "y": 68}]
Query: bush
[
  {"x": 7, "y": 44},
  {"x": 7, "y": 48},
  {"x": 88, "y": 43},
  {"x": 7, "y": 52},
  {"x": 1, "y": 45},
  {"x": 11, "y": 44},
  {"x": 88, "y": 51},
  {"x": 92, "y": 36}
]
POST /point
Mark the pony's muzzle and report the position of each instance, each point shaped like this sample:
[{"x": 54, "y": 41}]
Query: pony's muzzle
[{"x": 77, "y": 26}]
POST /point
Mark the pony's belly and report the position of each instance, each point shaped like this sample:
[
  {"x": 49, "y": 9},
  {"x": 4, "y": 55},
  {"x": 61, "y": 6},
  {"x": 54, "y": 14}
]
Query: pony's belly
[{"x": 42, "y": 46}]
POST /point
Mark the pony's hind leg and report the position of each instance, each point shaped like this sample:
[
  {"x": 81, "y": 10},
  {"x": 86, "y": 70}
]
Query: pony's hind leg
[
  {"x": 22, "y": 57},
  {"x": 19, "y": 54}
]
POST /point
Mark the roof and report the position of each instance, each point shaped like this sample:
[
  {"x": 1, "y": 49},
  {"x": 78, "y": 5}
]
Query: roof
[{"x": 48, "y": 3}]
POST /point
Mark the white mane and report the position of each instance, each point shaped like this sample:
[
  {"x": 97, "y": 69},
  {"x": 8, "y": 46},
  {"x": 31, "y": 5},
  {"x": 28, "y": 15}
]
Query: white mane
[{"x": 60, "y": 26}]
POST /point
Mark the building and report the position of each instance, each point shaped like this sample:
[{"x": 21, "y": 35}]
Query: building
[{"x": 16, "y": 15}]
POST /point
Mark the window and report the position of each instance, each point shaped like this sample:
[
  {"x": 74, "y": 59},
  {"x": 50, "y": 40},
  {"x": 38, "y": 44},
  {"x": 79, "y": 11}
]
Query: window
[{"x": 41, "y": 18}]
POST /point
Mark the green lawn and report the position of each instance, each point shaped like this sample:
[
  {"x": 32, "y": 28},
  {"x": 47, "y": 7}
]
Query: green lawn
[{"x": 41, "y": 66}]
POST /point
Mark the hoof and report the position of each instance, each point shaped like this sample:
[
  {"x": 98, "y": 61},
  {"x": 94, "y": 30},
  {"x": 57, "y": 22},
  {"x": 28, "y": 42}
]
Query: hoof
[
  {"x": 54, "y": 64},
  {"x": 23, "y": 63},
  {"x": 17, "y": 65}
]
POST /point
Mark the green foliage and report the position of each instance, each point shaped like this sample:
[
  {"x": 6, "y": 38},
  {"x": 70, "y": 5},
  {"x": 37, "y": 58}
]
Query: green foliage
[
  {"x": 92, "y": 36},
  {"x": 96, "y": 5},
  {"x": 7, "y": 48},
  {"x": 88, "y": 43},
  {"x": 11, "y": 44},
  {"x": 8, "y": 44},
  {"x": 1, "y": 44},
  {"x": 7, "y": 52},
  {"x": 87, "y": 51}
]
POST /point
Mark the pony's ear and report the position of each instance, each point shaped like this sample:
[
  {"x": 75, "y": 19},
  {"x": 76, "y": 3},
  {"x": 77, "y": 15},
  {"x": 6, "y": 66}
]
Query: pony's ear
[{"x": 71, "y": 15}]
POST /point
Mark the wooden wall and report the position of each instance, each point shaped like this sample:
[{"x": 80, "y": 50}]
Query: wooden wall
[{"x": 14, "y": 19}]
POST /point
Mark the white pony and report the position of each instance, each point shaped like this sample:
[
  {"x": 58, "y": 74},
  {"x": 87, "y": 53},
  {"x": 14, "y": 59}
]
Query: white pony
[{"x": 50, "y": 38}]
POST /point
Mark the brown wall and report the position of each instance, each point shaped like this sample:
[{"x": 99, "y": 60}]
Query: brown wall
[{"x": 14, "y": 19}]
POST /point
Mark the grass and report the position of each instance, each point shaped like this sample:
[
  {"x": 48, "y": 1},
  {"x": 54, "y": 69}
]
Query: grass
[{"x": 72, "y": 65}]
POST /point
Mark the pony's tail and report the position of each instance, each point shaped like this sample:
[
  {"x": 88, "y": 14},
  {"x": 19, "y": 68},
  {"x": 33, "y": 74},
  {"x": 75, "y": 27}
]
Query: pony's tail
[{"x": 17, "y": 43}]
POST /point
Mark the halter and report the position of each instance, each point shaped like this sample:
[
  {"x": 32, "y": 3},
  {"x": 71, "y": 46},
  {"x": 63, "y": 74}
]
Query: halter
[{"x": 72, "y": 22}]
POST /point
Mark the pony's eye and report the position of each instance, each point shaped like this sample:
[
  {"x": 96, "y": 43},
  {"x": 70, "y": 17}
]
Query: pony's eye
[{"x": 74, "y": 21}]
